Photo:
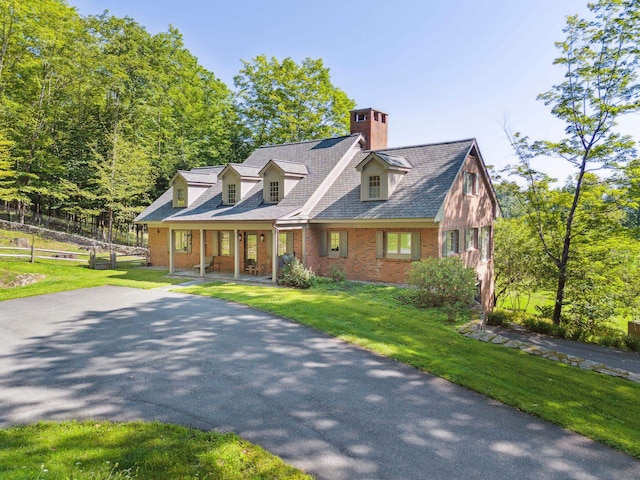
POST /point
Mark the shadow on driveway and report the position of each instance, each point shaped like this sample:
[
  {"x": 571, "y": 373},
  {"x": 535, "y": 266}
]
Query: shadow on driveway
[{"x": 331, "y": 409}]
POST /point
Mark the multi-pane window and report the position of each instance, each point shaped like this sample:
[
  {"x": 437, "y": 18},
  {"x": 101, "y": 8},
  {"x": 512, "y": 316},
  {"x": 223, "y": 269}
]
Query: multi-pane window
[
  {"x": 451, "y": 243},
  {"x": 471, "y": 238},
  {"x": 470, "y": 183},
  {"x": 274, "y": 192},
  {"x": 182, "y": 240},
  {"x": 485, "y": 236},
  {"x": 334, "y": 244},
  {"x": 225, "y": 243},
  {"x": 374, "y": 186},
  {"x": 231, "y": 193},
  {"x": 180, "y": 198},
  {"x": 398, "y": 244}
]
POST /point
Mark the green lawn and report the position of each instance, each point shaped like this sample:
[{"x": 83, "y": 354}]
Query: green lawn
[
  {"x": 114, "y": 451},
  {"x": 598, "y": 406},
  {"x": 61, "y": 276}
]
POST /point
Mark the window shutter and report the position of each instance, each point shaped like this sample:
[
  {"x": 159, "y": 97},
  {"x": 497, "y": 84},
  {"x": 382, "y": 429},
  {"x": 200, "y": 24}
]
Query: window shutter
[
  {"x": 190, "y": 240},
  {"x": 322, "y": 237},
  {"x": 343, "y": 244},
  {"x": 289, "y": 242},
  {"x": 415, "y": 245},
  {"x": 379, "y": 244},
  {"x": 445, "y": 244}
]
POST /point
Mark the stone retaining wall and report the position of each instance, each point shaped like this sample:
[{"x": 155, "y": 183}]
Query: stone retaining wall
[{"x": 70, "y": 238}]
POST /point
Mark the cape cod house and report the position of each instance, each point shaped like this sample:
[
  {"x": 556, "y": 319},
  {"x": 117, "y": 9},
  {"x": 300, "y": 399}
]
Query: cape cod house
[{"x": 347, "y": 202}]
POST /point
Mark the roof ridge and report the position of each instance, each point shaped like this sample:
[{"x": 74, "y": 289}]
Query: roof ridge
[
  {"x": 423, "y": 145},
  {"x": 307, "y": 141}
]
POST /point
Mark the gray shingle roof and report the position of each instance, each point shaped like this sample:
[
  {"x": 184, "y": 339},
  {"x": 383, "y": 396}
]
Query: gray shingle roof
[
  {"x": 419, "y": 194},
  {"x": 199, "y": 177},
  {"x": 317, "y": 157}
]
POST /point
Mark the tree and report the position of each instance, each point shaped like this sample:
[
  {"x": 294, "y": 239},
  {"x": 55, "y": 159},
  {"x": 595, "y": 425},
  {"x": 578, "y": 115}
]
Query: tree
[
  {"x": 601, "y": 58},
  {"x": 282, "y": 102}
]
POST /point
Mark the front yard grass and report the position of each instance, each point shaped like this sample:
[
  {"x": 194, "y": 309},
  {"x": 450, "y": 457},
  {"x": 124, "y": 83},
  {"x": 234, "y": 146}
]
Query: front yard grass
[
  {"x": 61, "y": 276},
  {"x": 597, "y": 406},
  {"x": 105, "y": 450}
]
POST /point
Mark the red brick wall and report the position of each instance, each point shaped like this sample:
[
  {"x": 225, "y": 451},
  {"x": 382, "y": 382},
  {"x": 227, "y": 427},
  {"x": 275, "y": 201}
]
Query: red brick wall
[
  {"x": 361, "y": 262},
  {"x": 462, "y": 211}
]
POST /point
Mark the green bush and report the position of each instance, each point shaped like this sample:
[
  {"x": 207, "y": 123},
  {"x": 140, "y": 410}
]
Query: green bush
[
  {"x": 440, "y": 282},
  {"x": 294, "y": 274},
  {"x": 336, "y": 273},
  {"x": 498, "y": 317}
]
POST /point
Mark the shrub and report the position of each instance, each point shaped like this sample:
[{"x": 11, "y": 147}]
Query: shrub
[
  {"x": 294, "y": 274},
  {"x": 498, "y": 317},
  {"x": 336, "y": 273},
  {"x": 442, "y": 281}
]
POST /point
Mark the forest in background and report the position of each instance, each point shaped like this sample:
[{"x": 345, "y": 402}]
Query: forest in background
[{"x": 97, "y": 115}]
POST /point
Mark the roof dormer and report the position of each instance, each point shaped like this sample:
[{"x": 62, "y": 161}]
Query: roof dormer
[
  {"x": 279, "y": 177},
  {"x": 237, "y": 180},
  {"x": 380, "y": 174},
  {"x": 189, "y": 185}
]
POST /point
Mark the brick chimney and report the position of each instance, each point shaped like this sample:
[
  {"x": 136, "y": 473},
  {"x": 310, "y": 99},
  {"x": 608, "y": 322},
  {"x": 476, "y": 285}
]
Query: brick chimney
[{"x": 372, "y": 124}]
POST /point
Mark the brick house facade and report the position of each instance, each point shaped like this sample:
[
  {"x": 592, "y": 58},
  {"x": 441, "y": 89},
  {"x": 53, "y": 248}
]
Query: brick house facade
[{"x": 333, "y": 203}]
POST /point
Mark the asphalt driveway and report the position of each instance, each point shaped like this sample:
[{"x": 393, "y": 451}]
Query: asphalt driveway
[{"x": 334, "y": 410}]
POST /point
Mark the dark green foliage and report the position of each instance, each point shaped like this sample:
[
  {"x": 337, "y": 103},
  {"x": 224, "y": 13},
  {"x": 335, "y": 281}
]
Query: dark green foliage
[
  {"x": 438, "y": 282},
  {"x": 498, "y": 317},
  {"x": 295, "y": 275},
  {"x": 336, "y": 273}
]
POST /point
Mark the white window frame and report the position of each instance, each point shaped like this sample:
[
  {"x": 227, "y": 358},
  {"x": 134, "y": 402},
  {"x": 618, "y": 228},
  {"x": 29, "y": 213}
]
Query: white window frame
[
  {"x": 399, "y": 252},
  {"x": 470, "y": 183},
  {"x": 181, "y": 198},
  {"x": 371, "y": 188},
  {"x": 182, "y": 241},
  {"x": 484, "y": 242},
  {"x": 274, "y": 187},
  {"x": 232, "y": 193},
  {"x": 225, "y": 243},
  {"x": 451, "y": 242},
  {"x": 334, "y": 244},
  {"x": 471, "y": 239},
  {"x": 360, "y": 117}
]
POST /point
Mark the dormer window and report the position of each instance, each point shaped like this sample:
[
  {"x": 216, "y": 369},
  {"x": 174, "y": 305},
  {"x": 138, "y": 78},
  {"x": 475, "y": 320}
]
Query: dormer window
[
  {"x": 380, "y": 174},
  {"x": 274, "y": 192},
  {"x": 374, "y": 187},
  {"x": 181, "y": 198},
  {"x": 279, "y": 177},
  {"x": 237, "y": 182}
]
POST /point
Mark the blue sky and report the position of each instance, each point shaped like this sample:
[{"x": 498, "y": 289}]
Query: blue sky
[{"x": 443, "y": 70}]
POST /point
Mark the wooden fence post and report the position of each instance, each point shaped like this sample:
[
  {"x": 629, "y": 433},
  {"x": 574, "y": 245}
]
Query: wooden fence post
[{"x": 33, "y": 244}]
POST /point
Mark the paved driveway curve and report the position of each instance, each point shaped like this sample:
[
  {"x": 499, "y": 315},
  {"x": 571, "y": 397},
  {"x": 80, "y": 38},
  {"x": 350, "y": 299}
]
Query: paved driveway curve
[{"x": 334, "y": 410}]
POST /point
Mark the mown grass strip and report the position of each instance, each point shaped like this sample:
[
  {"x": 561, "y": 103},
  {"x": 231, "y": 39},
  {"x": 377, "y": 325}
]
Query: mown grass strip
[
  {"x": 137, "y": 450},
  {"x": 594, "y": 405}
]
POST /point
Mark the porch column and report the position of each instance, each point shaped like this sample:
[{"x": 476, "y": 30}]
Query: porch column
[
  {"x": 171, "y": 250},
  {"x": 304, "y": 247},
  {"x": 236, "y": 255},
  {"x": 202, "y": 266},
  {"x": 274, "y": 256}
]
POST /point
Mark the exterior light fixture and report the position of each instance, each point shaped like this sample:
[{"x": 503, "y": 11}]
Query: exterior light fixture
[{"x": 262, "y": 237}]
